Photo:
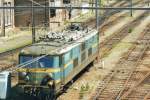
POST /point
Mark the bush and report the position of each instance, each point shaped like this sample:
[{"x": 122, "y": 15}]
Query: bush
[{"x": 130, "y": 30}]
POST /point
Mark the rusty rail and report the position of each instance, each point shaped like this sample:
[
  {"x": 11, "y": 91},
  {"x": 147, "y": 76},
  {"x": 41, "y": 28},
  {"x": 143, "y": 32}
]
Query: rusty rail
[{"x": 134, "y": 87}]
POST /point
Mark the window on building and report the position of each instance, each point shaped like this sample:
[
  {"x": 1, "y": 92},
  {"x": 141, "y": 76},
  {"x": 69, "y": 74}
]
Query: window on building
[
  {"x": 8, "y": 14},
  {"x": 5, "y": 10},
  {"x": 66, "y": 1},
  {"x": 52, "y": 13}
]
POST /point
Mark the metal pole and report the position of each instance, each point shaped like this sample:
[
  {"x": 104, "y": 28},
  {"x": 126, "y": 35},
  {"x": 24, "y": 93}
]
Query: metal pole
[
  {"x": 45, "y": 23},
  {"x": 131, "y": 4},
  {"x": 3, "y": 19},
  {"x": 49, "y": 13},
  {"x": 97, "y": 27},
  {"x": 33, "y": 24},
  {"x": 92, "y": 5},
  {"x": 96, "y": 13}
]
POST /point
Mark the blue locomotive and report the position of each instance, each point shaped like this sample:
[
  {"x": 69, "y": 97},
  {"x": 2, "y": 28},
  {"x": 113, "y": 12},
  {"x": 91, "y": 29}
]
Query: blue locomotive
[{"x": 59, "y": 58}]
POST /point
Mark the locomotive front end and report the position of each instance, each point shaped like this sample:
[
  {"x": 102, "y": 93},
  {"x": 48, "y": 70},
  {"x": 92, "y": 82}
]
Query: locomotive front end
[{"x": 38, "y": 77}]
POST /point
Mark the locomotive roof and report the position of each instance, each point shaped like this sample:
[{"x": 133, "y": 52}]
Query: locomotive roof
[{"x": 55, "y": 45}]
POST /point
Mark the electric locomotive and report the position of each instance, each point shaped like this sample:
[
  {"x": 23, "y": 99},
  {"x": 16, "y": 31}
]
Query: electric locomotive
[{"x": 56, "y": 60}]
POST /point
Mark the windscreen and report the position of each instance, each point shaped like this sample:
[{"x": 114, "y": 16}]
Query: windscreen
[{"x": 45, "y": 62}]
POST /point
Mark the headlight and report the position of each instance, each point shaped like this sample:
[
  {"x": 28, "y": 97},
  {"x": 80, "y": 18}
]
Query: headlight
[{"x": 22, "y": 74}]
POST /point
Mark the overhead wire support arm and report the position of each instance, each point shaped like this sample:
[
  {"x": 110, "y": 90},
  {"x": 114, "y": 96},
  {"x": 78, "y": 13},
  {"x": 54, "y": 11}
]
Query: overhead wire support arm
[
  {"x": 131, "y": 5},
  {"x": 96, "y": 13},
  {"x": 76, "y": 7}
]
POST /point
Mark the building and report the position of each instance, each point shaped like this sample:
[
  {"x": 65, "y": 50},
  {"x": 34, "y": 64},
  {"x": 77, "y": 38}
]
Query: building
[
  {"x": 43, "y": 17},
  {"x": 52, "y": 18},
  {"x": 6, "y": 16}
]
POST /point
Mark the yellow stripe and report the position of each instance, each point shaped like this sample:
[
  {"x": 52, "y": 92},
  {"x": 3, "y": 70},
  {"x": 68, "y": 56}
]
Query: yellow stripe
[
  {"x": 56, "y": 81},
  {"x": 66, "y": 65},
  {"x": 44, "y": 70}
]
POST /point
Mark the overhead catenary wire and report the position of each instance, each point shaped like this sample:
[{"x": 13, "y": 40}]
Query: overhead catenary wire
[
  {"x": 37, "y": 3},
  {"x": 22, "y": 65}
]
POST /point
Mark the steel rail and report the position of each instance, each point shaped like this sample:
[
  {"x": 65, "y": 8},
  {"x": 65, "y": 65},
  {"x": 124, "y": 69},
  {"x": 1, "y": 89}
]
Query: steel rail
[{"x": 104, "y": 86}]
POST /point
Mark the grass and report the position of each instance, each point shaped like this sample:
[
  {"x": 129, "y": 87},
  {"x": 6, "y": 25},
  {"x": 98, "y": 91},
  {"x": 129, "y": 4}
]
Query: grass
[
  {"x": 15, "y": 46},
  {"x": 7, "y": 46}
]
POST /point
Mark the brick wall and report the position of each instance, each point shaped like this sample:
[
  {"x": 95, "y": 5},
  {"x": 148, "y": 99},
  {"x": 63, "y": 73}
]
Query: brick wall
[{"x": 23, "y": 17}]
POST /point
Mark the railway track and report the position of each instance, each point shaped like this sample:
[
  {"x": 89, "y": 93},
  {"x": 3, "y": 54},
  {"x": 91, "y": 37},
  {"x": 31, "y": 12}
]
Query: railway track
[
  {"x": 137, "y": 86},
  {"x": 113, "y": 84},
  {"x": 111, "y": 41},
  {"x": 108, "y": 14},
  {"x": 107, "y": 23}
]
